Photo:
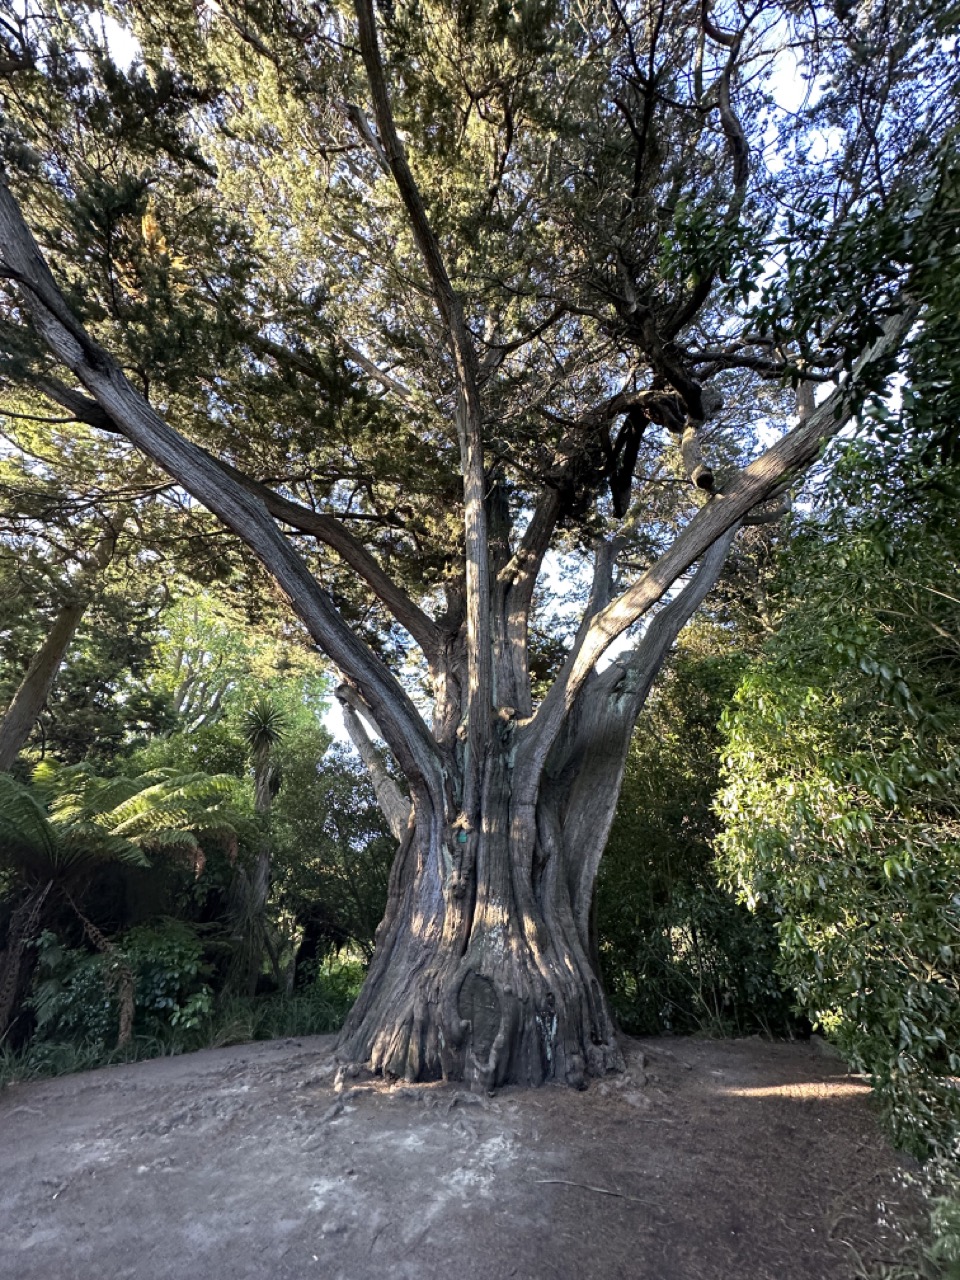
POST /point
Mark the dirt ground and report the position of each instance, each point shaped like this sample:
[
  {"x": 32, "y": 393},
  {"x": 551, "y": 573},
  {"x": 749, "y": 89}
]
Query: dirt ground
[{"x": 708, "y": 1160}]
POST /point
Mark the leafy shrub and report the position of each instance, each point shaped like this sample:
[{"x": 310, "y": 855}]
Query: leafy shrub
[
  {"x": 75, "y": 995},
  {"x": 944, "y": 1251},
  {"x": 678, "y": 952},
  {"x": 842, "y": 759},
  {"x": 81, "y": 1015},
  {"x": 167, "y": 961},
  {"x": 72, "y": 1000}
]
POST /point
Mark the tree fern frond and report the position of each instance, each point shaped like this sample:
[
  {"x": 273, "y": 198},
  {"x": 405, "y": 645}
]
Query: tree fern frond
[
  {"x": 168, "y": 839},
  {"x": 24, "y": 826},
  {"x": 79, "y": 846},
  {"x": 182, "y": 801}
]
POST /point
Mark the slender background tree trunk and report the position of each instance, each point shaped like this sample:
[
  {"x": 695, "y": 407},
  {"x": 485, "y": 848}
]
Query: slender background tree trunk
[{"x": 30, "y": 698}]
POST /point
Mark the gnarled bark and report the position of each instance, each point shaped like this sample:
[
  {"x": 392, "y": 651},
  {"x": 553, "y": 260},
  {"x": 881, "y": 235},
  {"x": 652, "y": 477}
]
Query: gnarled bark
[{"x": 483, "y": 965}]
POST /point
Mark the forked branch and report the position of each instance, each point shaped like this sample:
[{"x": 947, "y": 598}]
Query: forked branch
[{"x": 755, "y": 484}]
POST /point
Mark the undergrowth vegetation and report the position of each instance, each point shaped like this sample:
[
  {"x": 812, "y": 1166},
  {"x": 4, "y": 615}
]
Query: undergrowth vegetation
[
  {"x": 679, "y": 953},
  {"x": 839, "y": 800},
  {"x": 77, "y": 1009}
]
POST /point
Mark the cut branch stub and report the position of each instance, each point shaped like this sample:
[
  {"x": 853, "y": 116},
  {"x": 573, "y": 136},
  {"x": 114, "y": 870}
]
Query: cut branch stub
[{"x": 699, "y": 472}]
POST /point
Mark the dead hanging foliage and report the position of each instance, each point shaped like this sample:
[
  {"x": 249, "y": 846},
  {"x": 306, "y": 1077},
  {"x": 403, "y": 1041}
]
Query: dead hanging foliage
[
  {"x": 20, "y": 933},
  {"x": 119, "y": 976}
]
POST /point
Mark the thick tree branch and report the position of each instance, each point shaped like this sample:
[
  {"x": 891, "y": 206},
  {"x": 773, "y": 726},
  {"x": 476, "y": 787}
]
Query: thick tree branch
[
  {"x": 604, "y": 721},
  {"x": 204, "y": 478},
  {"x": 394, "y": 805},
  {"x": 327, "y": 529},
  {"x": 752, "y": 486},
  {"x": 739, "y": 150}
]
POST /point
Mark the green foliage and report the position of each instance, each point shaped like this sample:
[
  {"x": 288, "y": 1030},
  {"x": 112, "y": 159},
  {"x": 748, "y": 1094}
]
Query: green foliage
[
  {"x": 212, "y": 663},
  {"x": 319, "y": 1006},
  {"x": 101, "y": 703},
  {"x": 242, "y": 695},
  {"x": 178, "y": 1015},
  {"x": 167, "y": 961},
  {"x": 841, "y": 772},
  {"x": 43, "y": 1058},
  {"x": 679, "y": 953},
  {"x": 71, "y": 999},
  {"x": 74, "y": 997},
  {"x": 215, "y": 748},
  {"x": 332, "y": 852},
  {"x": 944, "y": 1250},
  {"x": 264, "y": 725},
  {"x": 70, "y": 820}
]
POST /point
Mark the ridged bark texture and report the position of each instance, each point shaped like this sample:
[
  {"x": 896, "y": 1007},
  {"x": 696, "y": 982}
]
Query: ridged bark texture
[{"x": 482, "y": 969}]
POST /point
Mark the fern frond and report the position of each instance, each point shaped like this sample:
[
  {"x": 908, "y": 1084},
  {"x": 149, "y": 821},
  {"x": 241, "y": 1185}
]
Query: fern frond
[
  {"x": 167, "y": 839},
  {"x": 182, "y": 801},
  {"x": 25, "y": 830},
  {"x": 79, "y": 847}
]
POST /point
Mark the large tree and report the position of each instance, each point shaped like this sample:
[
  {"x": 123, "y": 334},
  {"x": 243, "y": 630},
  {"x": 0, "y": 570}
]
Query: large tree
[{"x": 430, "y": 303}]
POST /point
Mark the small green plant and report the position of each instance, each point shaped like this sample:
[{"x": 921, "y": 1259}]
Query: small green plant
[
  {"x": 72, "y": 1001},
  {"x": 75, "y": 996},
  {"x": 171, "y": 987}
]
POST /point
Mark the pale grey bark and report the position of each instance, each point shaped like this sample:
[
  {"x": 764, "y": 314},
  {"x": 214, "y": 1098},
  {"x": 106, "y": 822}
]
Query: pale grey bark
[
  {"x": 469, "y": 415},
  {"x": 394, "y": 805},
  {"x": 34, "y": 689}
]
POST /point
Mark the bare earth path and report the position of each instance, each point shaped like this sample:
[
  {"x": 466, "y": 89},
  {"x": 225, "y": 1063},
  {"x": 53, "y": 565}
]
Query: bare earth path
[{"x": 710, "y": 1159}]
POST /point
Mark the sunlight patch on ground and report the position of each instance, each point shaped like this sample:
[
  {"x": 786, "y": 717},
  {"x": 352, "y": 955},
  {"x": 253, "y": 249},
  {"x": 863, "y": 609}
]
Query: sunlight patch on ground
[{"x": 813, "y": 1089}]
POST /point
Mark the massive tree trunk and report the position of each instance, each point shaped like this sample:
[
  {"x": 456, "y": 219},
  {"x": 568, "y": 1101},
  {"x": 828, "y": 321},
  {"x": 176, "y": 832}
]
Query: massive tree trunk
[
  {"x": 30, "y": 698},
  {"x": 483, "y": 967}
]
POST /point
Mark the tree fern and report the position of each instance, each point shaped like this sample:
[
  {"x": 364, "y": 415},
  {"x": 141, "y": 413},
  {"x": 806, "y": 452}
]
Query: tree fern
[
  {"x": 56, "y": 832},
  {"x": 25, "y": 831},
  {"x": 71, "y": 819}
]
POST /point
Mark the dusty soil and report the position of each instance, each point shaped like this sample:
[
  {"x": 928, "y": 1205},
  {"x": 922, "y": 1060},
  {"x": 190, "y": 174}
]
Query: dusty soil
[{"x": 708, "y": 1159}]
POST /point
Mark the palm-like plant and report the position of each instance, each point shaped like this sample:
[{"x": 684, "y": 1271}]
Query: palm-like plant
[
  {"x": 264, "y": 728},
  {"x": 55, "y": 833}
]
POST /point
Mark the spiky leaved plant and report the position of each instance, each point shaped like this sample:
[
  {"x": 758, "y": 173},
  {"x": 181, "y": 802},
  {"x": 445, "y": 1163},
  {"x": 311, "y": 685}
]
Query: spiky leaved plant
[{"x": 264, "y": 729}]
